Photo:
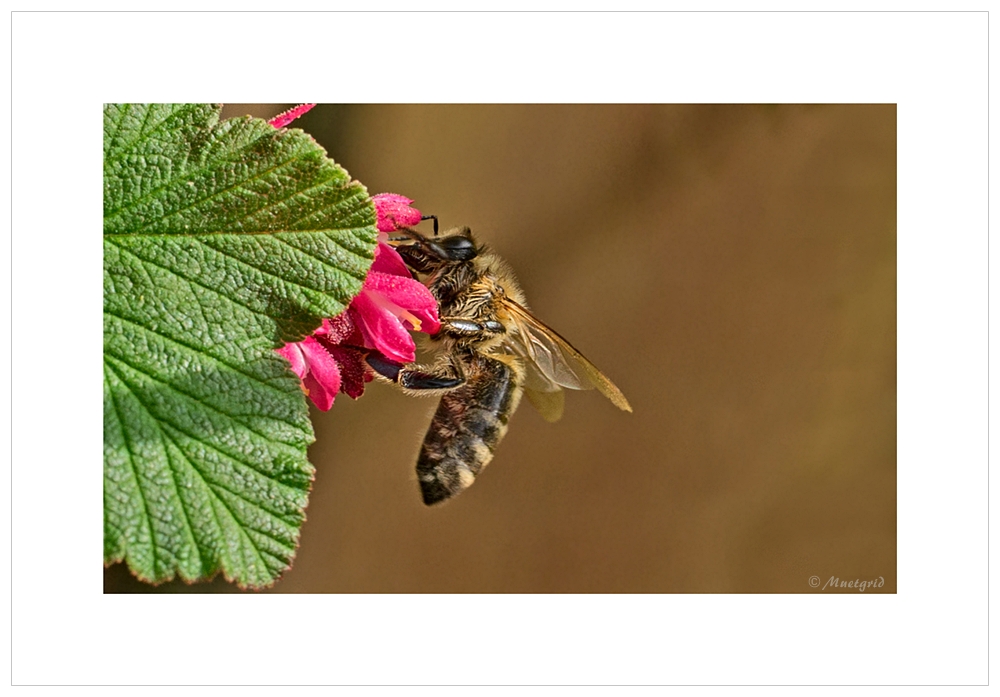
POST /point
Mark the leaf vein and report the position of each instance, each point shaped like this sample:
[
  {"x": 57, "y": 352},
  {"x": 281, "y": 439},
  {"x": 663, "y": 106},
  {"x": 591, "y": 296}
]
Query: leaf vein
[
  {"x": 118, "y": 128},
  {"x": 315, "y": 185},
  {"x": 240, "y": 526},
  {"x": 207, "y": 407},
  {"x": 211, "y": 486},
  {"x": 142, "y": 133},
  {"x": 213, "y": 165},
  {"x": 309, "y": 255},
  {"x": 147, "y": 518},
  {"x": 216, "y": 487},
  {"x": 200, "y": 354},
  {"x": 169, "y": 270},
  {"x": 187, "y": 518},
  {"x": 247, "y": 265},
  {"x": 317, "y": 211}
]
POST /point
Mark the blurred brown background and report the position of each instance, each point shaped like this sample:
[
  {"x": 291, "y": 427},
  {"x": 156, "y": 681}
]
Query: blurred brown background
[{"x": 731, "y": 268}]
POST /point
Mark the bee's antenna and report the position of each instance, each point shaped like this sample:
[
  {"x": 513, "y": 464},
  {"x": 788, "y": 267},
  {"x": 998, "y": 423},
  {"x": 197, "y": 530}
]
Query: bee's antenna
[
  {"x": 435, "y": 219},
  {"x": 424, "y": 243}
]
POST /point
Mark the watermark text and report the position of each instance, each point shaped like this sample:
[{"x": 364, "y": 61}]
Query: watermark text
[{"x": 836, "y": 582}]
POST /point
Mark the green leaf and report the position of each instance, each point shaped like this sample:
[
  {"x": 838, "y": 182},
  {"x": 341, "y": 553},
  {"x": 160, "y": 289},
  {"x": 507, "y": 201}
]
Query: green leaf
[{"x": 222, "y": 241}]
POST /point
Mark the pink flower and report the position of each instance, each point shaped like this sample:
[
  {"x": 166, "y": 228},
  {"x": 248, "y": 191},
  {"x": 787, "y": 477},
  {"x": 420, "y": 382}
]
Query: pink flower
[
  {"x": 390, "y": 305},
  {"x": 317, "y": 368},
  {"x": 330, "y": 361},
  {"x": 286, "y": 117}
]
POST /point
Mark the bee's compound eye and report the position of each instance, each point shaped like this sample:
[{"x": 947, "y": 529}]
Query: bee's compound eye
[{"x": 458, "y": 248}]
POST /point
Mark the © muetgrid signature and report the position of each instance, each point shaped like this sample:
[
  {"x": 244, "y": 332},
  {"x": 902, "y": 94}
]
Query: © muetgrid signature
[{"x": 836, "y": 582}]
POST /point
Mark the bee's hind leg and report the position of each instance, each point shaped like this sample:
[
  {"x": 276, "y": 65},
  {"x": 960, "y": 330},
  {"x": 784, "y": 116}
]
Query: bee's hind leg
[{"x": 445, "y": 376}]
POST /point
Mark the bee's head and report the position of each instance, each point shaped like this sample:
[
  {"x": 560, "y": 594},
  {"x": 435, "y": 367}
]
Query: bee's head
[
  {"x": 456, "y": 245},
  {"x": 425, "y": 254}
]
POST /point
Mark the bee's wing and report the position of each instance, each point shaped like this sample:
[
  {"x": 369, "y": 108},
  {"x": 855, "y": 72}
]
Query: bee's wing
[
  {"x": 552, "y": 363},
  {"x": 548, "y": 403},
  {"x": 543, "y": 392}
]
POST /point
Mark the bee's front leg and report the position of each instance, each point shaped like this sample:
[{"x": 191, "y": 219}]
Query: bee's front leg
[
  {"x": 460, "y": 328},
  {"x": 447, "y": 375}
]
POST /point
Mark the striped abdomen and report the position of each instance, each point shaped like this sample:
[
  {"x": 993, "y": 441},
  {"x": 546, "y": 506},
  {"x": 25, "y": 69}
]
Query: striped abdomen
[{"x": 467, "y": 426}]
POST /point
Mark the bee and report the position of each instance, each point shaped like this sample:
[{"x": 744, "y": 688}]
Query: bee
[{"x": 495, "y": 350}]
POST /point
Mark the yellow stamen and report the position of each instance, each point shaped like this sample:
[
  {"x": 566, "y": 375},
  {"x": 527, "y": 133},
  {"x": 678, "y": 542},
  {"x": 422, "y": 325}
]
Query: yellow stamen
[{"x": 411, "y": 319}]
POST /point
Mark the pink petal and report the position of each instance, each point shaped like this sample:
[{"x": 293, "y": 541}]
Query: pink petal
[
  {"x": 286, "y": 117},
  {"x": 381, "y": 329},
  {"x": 387, "y": 260},
  {"x": 394, "y": 211},
  {"x": 294, "y": 355},
  {"x": 323, "y": 380},
  {"x": 406, "y": 298}
]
